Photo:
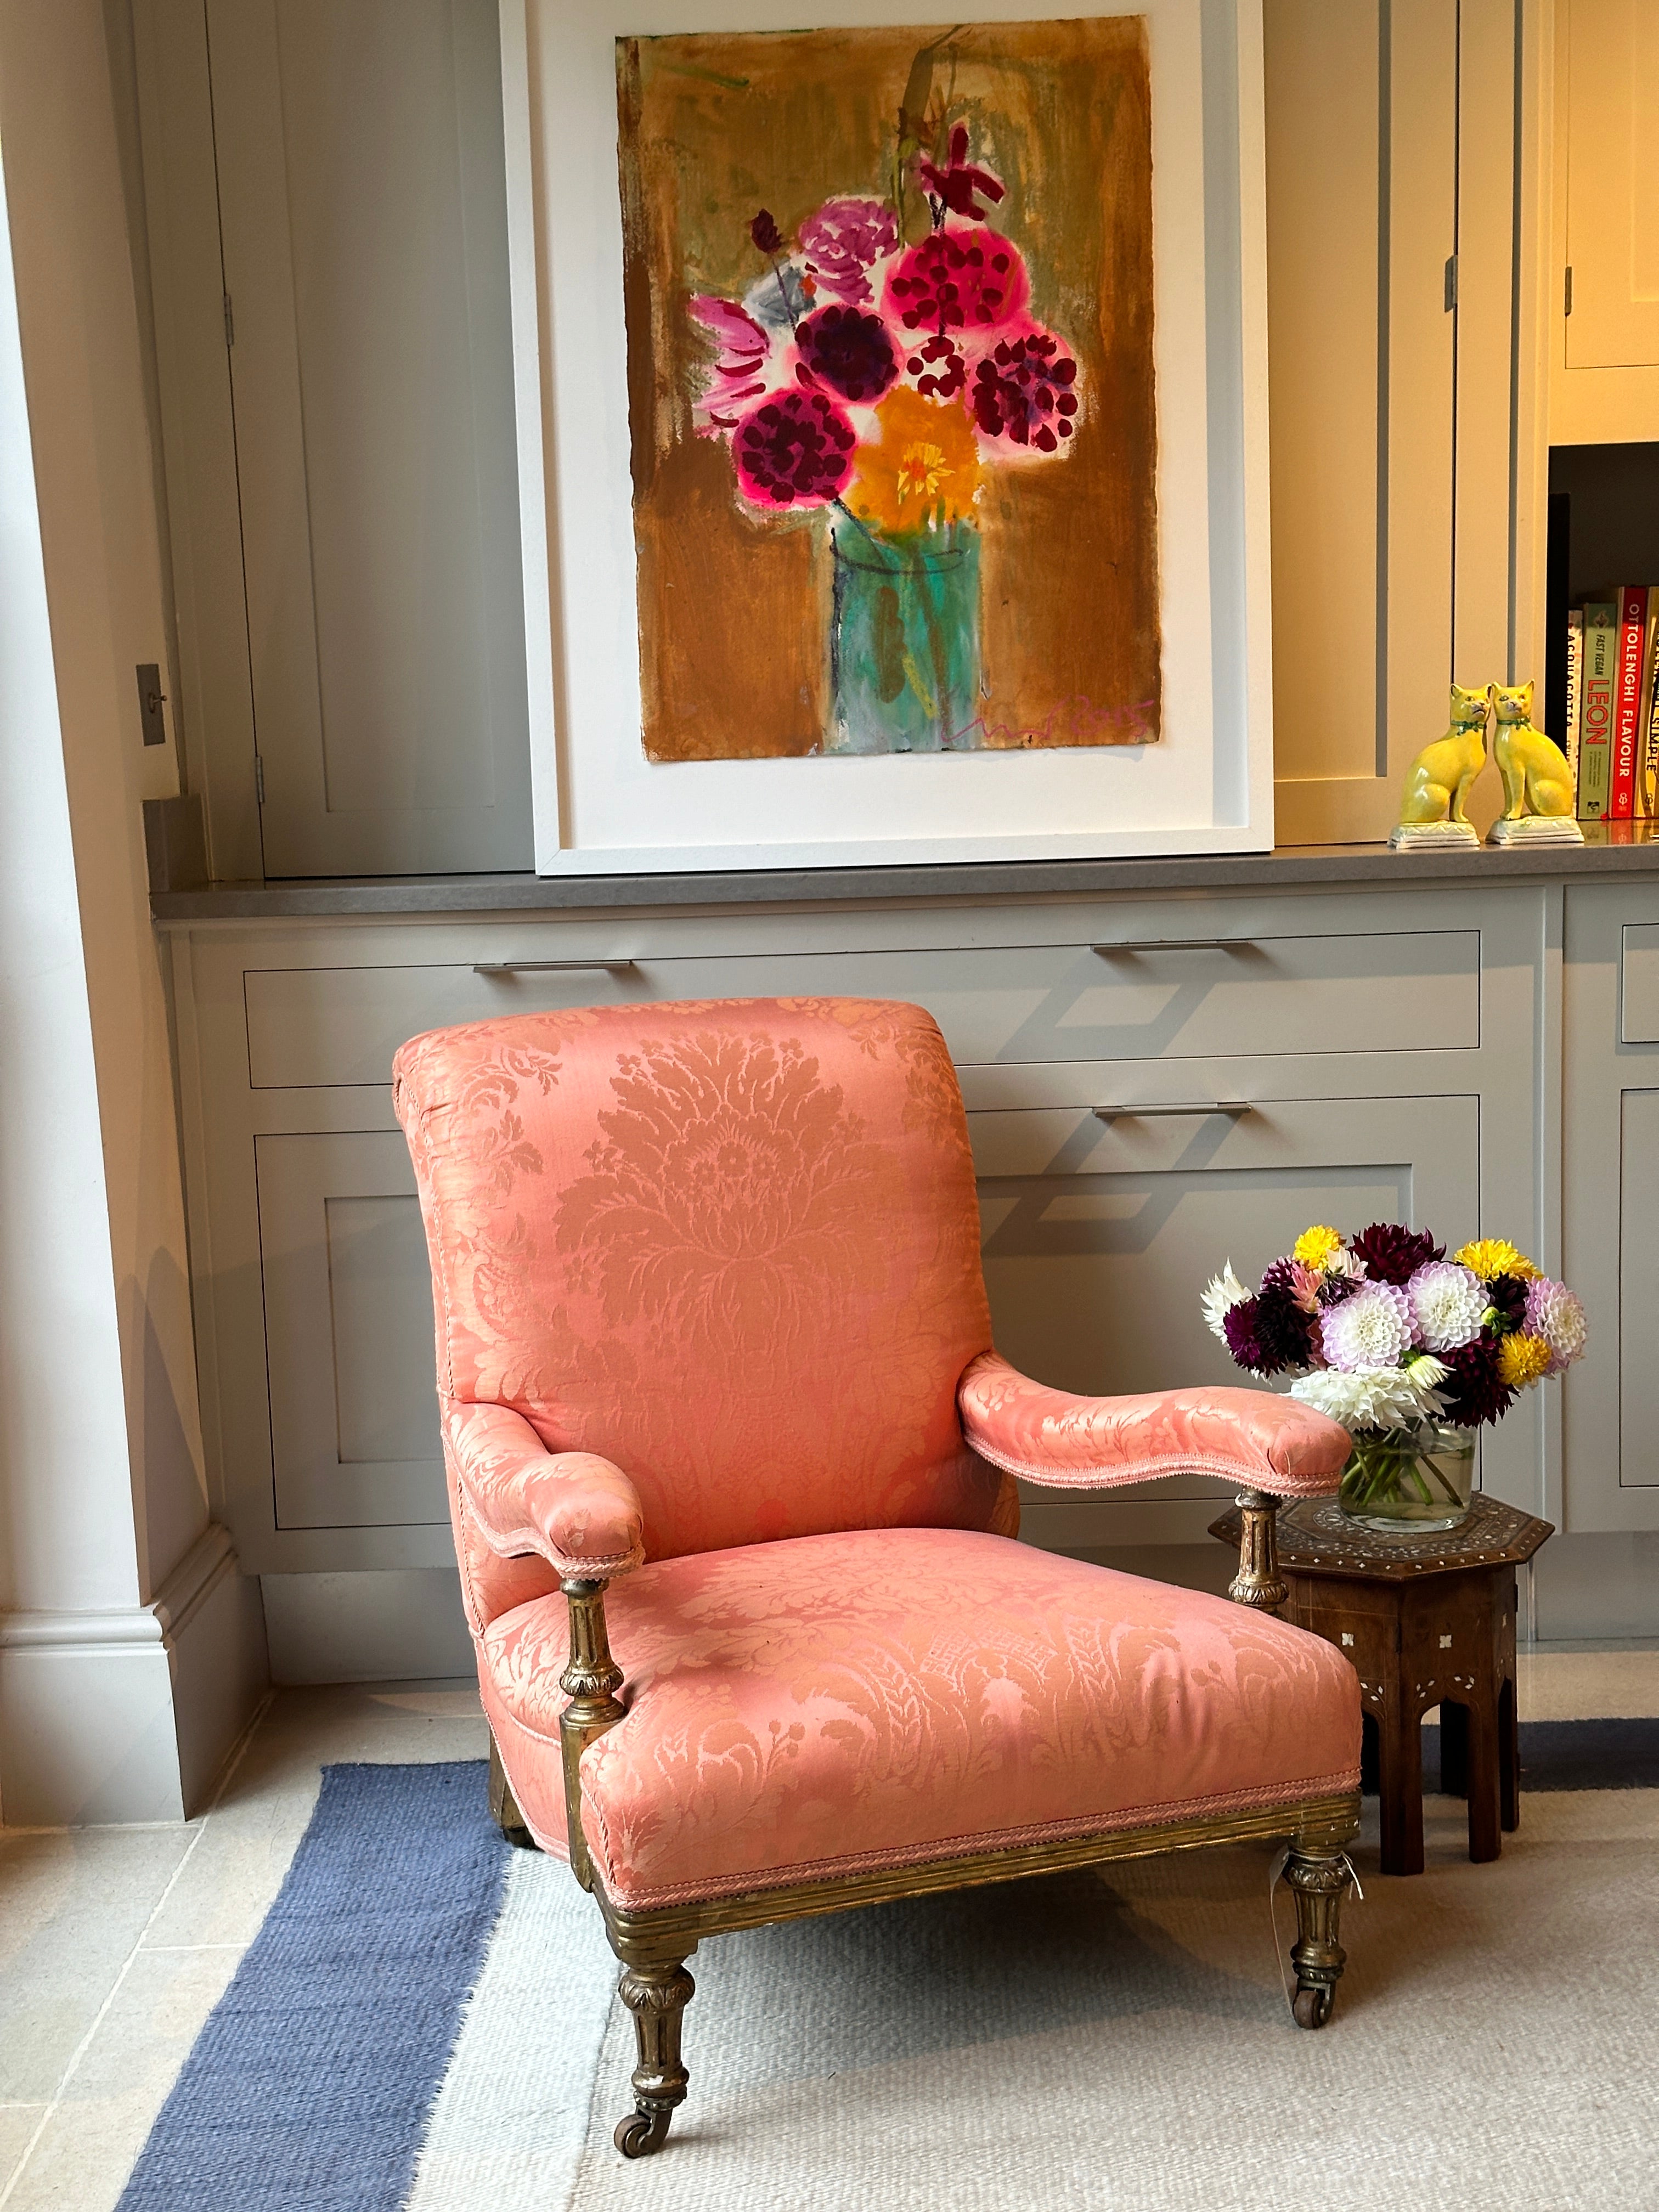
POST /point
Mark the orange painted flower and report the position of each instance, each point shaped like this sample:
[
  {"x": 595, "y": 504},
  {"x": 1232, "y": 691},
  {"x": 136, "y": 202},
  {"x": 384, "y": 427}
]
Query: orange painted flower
[{"x": 922, "y": 470}]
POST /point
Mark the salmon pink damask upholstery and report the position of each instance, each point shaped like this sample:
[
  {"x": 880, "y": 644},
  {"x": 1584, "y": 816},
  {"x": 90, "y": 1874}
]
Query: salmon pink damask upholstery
[
  {"x": 731, "y": 1248},
  {"x": 839, "y": 1703},
  {"x": 1069, "y": 1443},
  {"x": 712, "y": 1328}
]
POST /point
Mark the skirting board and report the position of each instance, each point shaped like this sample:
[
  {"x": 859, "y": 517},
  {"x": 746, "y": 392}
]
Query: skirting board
[{"x": 128, "y": 1715}]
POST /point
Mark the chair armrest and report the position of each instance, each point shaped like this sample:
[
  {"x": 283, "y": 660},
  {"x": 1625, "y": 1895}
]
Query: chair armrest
[
  {"x": 575, "y": 1510},
  {"x": 1251, "y": 1437}
]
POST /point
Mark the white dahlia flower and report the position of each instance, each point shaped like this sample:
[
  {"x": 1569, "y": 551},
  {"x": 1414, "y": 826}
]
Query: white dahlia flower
[
  {"x": 1373, "y": 1329},
  {"x": 1556, "y": 1314},
  {"x": 1373, "y": 1397},
  {"x": 1448, "y": 1302},
  {"x": 1221, "y": 1294}
]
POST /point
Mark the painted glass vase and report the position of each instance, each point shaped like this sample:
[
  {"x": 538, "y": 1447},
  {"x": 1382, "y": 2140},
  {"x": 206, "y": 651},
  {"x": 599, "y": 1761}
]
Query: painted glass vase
[
  {"x": 1417, "y": 1478},
  {"x": 905, "y": 639}
]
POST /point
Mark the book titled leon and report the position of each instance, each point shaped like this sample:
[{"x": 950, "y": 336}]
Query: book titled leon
[{"x": 1612, "y": 739}]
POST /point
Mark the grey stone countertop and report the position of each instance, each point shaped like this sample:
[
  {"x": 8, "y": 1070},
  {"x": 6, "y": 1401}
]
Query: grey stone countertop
[{"x": 1289, "y": 867}]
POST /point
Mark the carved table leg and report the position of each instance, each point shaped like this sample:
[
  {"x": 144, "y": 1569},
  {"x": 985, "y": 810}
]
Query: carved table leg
[
  {"x": 1258, "y": 1581},
  {"x": 657, "y": 1993},
  {"x": 1319, "y": 1880},
  {"x": 1485, "y": 1840},
  {"x": 503, "y": 1806},
  {"x": 1400, "y": 1784},
  {"x": 1508, "y": 1756}
]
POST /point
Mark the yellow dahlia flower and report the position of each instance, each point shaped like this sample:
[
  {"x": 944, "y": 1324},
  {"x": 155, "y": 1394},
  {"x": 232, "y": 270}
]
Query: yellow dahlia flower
[
  {"x": 1494, "y": 1256},
  {"x": 924, "y": 470},
  {"x": 1522, "y": 1359},
  {"x": 1317, "y": 1247}
]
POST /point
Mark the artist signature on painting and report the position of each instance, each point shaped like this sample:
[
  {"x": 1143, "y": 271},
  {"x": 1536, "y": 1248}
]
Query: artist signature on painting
[{"x": 1074, "y": 722}]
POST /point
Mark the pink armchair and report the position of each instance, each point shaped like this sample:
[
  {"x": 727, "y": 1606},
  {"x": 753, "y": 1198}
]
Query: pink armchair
[{"x": 732, "y": 1470}]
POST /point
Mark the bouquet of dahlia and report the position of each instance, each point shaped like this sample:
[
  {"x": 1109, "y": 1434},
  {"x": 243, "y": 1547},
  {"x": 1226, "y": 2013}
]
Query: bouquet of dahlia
[{"x": 1387, "y": 1335}]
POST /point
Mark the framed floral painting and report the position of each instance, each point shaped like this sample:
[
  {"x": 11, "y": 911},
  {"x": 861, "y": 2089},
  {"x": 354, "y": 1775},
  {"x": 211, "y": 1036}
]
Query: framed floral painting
[
  {"x": 904, "y": 413},
  {"x": 894, "y": 467}
]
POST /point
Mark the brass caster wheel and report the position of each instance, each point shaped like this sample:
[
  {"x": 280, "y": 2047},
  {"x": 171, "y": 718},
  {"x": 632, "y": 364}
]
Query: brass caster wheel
[
  {"x": 644, "y": 2130},
  {"x": 1312, "y": 2007}
]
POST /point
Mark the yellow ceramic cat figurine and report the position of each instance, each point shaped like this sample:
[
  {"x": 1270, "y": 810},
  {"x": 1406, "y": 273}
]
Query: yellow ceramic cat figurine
[
  {"x": 1438, "y": 781},
  {"x": 1538, "y": 794}
]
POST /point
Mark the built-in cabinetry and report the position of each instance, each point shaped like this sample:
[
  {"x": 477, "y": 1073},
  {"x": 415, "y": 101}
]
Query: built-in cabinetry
[
  {"x": 1390, "y": 1049},
  {"x": 1604, "y": 289}
]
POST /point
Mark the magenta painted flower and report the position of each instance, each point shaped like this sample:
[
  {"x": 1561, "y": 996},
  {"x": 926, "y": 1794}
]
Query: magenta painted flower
[
  {"x": 794, "y": 450},
  {"x": 955, "y": 185},
  {"x": 1023, "y": 392},
  {"x": 842, "y": 241},
  {"x": 738, "y": 373},
  {"x": 1373, "y": 1329},
  {"x": 936, "y": 368},
  {"x": 848, "y": 351},
  {"x": 959, "y": 280}
]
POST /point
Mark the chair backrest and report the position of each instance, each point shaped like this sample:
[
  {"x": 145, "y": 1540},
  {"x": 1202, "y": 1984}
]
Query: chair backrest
[{"x": 732, "y": 1246}]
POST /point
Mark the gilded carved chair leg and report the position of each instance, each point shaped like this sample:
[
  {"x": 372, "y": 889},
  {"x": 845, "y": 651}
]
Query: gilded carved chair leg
[
  {"x": 656, "y": 1992},
  {"x": 1258, "y": 1581},
  {"x": 503, "y": 1806},
  {"x": 1319, "y": 1880},
  {"x": 591, "y": 1681}
]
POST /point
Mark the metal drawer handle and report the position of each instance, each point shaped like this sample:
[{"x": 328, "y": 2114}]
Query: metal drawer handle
[
  {"x": 1179, "y": 944},
  {"x": 553, "y": 967},
  {"x": 1234, "y": 1106}
]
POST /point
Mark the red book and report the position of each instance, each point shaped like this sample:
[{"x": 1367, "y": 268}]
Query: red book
[{"x": 1627, "y": 700}]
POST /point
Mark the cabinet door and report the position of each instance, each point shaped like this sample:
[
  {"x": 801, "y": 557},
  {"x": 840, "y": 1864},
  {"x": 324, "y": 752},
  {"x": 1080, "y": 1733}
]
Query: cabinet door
[
  {"x": 1610, "y": 1205},
  {"x": 348, "y": 1333},
  {"x": 362, "y": 199},
  {"x": 1099, "y": 1237},
  {"x": 1612, "y": 62}
]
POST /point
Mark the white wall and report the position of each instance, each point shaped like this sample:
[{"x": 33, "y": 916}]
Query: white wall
[{"x": 111, "y": 1564}]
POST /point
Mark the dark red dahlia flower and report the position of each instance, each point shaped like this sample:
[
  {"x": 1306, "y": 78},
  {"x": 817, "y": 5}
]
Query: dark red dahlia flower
[
  {"x": 1393, "y": 1255},
  {"x": 959, "y": 280},
  {"x": 1474, "y": 1391},
  {"x": 1023, "y": 392},
  {"x": 1507, "y": 1294},
  {"x": 1283, "y": 1334},
  {"x": 795, "y": 450},
  {"x": 849, "y": 352},
  {"x": 764, "y": 231},
  {"x": 1238, "y": 1325}
]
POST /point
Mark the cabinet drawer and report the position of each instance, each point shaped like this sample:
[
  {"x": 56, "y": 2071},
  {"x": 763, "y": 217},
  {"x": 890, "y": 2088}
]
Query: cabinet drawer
[
  {"x": 1638, "y": 981},
  {"x": 1162, "y": 999}
]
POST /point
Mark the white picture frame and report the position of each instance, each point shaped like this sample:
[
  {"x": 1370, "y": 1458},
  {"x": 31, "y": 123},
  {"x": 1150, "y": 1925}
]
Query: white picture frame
[{"x": 601, "y": 807}]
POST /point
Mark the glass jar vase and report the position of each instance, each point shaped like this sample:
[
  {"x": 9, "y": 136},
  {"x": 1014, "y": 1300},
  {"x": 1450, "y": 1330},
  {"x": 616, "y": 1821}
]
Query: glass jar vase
[
  {"x": 1417, "y": 1478},
  {"x": 904, "y": 669}
]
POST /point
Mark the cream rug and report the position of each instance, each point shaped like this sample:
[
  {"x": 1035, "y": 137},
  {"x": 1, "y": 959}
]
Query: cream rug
[{"x": 1121, "y": 2040}]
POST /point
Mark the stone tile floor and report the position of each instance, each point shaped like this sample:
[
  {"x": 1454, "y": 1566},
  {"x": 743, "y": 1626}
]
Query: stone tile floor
[{"x": 116, "y": 1944}]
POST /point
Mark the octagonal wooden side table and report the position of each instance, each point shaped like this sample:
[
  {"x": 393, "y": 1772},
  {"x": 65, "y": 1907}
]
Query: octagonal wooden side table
[{"x": 1427, "y": 1621}]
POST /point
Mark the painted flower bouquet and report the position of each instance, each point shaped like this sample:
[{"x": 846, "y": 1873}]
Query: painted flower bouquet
[
  {"x": 1410, "y": 1352},
  {"x": 884, "y": 357}
]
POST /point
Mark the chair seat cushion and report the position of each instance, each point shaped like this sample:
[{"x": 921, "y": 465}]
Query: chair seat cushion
[{"x": 834, "y": 1704}]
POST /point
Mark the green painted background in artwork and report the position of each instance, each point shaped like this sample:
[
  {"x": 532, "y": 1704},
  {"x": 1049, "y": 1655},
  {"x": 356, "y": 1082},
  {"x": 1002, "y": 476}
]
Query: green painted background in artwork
[{"x": 735, "y": 610}]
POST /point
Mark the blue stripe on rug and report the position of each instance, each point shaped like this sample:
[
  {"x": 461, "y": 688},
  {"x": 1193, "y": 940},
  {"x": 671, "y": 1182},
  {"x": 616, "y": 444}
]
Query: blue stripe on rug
[
  {"x": 310, "y": 2084},
  {"x": 1572, "y": 1755}
]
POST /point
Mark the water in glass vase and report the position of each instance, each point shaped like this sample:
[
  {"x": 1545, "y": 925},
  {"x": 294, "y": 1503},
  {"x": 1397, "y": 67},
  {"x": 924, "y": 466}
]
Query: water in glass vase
[
  {"x": 904, "y": 641},
  {"x": 1417, "y": 1478}
]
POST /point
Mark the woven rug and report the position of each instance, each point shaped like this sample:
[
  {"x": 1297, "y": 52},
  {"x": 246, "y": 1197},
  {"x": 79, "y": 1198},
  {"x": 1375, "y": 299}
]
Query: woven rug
[{"x": 426, "y": 2024}]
